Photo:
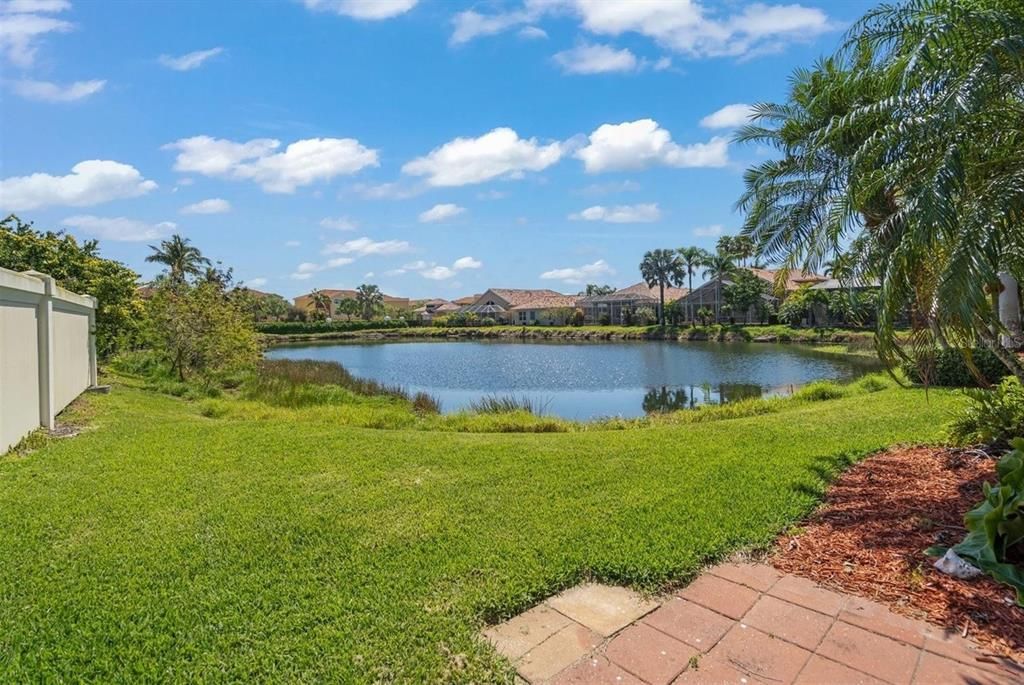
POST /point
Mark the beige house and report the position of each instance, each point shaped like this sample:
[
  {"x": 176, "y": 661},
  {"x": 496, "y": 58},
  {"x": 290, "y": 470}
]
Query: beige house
[{"x": 523, "y": 306}]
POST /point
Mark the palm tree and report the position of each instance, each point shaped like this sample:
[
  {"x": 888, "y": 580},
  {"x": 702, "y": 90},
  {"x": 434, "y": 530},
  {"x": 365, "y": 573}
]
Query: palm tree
[
  {"x": 661, "y": 268},
  {"x": 370, "y": 300},
  {"x": 691, "y": 258},
  {"x": 321, "y": 302},
  {"x": 907, "y": 144},
  {"x": 349, "y": 307},
  {"x": 716, "y": 267},
  {"x": 181, "y": 258}
]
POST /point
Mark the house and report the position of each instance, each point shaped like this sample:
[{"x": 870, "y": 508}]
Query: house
[
  {"x": 710, "y": 295},
  {"x": 426, "y": 312},
  {"x": 468, "y": 300},
  {"x": 523, "y": 306},
  {"x": 305, "y": 302},
  {"x": 617, "y": 307}
]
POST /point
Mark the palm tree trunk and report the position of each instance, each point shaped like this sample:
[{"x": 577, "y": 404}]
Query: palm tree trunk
[
  {"x": 661, "y": 303},
  {"x": 689, "y": 302},
  {"x": 1009, "y": 311}
]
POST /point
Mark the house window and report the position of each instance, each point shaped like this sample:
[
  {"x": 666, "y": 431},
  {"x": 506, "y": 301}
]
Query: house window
[
  {"x": 533, "y": 315},
  {"x": 522, "y": 317}
]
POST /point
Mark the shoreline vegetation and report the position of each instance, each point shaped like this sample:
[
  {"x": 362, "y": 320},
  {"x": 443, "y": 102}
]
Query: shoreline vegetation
[
  {"x": 279, "y": 388},
  {"x": 777, "y": 333}
]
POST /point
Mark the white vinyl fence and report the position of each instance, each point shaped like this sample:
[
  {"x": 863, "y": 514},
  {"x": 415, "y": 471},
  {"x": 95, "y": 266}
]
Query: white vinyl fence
[{"x": 47, "y": 351}]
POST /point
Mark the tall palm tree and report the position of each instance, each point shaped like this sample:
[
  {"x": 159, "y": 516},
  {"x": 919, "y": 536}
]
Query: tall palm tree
[
  {"x": 661, "y": 268},
  {"x": 691, "y": 259},
  {"x": 370, "y": 300},
  {"x": 907, "y": 142},
  {"x": 716, "y": 267},
  {"x": 180, "y": 257}
]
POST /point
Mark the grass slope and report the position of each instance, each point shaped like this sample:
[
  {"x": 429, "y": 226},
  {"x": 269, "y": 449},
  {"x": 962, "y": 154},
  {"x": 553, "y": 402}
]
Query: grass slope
[{"x": 163, "y": 545}]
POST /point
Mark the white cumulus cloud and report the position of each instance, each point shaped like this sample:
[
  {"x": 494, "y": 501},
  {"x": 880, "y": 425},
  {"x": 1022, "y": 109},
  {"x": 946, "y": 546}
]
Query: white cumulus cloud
[
  {"x": 89, "y": 183},
  {"x": 438, "y": 273},
  {"x": 214, "y": 205},
  {"x": 256, "y": 282},
  {"x": 119, "y": 228},
  {"x": 341, "y": 223},
  {"x": 369, "y": 10},
  {"x": 301, "y": 163},
  {"x": 24, "y": 22},
  {"x": 683, "y": 26},
  {"x": 45, "y": 91},
  {"x": 643, "y": 143},
  {"x": 712, "y": 231},
  {"x": 362, "y": 247},
  {"x": 730, "y": 116},
  {"x": 580, "y": 274},
  {"x": 596, "y": 59},
  {"x": 190, "y": 61},
  {"x": 620, "y": 214},
  {"x": 440, "y": 213},
  {"x": 467, "y": 263},
  {"x": 496, "y": 154}
]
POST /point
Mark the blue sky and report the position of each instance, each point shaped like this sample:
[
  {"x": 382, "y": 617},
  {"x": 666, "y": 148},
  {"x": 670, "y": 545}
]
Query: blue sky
[{"x": 434, "y": 148}]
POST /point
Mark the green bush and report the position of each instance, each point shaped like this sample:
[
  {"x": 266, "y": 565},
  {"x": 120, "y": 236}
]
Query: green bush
[
  {"x": 301, "y": 327},
  {"x": 990, "y": 416},
  {"x": 949, "y": 368},
  {"x": 995, "y": 538},
  {"x": 821, "y": 390}
]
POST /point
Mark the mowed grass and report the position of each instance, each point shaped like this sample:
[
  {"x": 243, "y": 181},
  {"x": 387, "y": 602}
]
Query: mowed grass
[{"x": 164, "y": 545}]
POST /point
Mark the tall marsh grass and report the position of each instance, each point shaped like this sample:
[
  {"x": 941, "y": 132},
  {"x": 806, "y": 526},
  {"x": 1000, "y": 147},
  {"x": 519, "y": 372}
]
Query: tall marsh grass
[
  {"x": 508, "y": 404},
  {"x": 302, "y": 383}
]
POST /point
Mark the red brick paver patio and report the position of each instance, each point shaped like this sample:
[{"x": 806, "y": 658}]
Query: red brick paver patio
[{"x": 736, "y": 623}]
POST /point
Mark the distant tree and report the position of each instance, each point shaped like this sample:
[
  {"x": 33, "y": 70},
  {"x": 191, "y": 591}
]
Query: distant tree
[
  {"x": 661, "y": 268},
  {"x": 349, "y": 307},
  {"x": 370, "y": 300},
  {"x": 321, "y": 303},
  {"x": 260, "y": 307},
  {"x": 79, "y": 268},
  {"x": 746, "y": 292},
  {"x": 691, "y": 258},
  {"x": 717, "y": 267},
  {"x": 594, "y": 289},
  {"x": 181, "y": 258}
]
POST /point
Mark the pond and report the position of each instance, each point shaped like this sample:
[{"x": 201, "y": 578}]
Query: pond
[{"x": 586, "y": 380}]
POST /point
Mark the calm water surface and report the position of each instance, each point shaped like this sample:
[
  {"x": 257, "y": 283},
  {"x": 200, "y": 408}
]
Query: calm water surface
[{"x": 586, "y": 380}]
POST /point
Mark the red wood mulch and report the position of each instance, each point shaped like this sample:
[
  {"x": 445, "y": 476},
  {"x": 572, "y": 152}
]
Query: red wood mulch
[{"x": 869, "y": 537}]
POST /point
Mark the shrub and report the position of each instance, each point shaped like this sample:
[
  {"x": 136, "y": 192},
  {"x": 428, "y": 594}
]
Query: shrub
[
  {"x": 198, "y": 331},
  {"x": 990, "y": 416},
  {"x": 995, "y": 538},
  {"x": 305, "y": 327},
  {"x": 644, "y": 316},
  {"x": 604, "y": 320},
  {"x": 820, "y": 390},
  {"x": 950, "y": 368}
]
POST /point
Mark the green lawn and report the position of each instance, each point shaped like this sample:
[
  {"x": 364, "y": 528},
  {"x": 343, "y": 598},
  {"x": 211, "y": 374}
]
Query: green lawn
[{"x": 165, "y": 545}]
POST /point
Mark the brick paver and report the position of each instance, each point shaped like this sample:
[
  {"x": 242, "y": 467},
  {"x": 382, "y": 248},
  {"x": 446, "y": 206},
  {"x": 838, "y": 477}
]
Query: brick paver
[
  {"x": 737, "y": 623},
  {"x": 650, "y": 654}
]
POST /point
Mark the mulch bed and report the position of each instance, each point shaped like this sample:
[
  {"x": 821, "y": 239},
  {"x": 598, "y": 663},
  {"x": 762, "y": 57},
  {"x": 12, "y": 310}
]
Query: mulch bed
[{"x": 869, "y": 537}]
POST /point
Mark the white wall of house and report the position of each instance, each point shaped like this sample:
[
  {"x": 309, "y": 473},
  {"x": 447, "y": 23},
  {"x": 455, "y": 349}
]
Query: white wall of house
[{"x": 47, "y": 351}]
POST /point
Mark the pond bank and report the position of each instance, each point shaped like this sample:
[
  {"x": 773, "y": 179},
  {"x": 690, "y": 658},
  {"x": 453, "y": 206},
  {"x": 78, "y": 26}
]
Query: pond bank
[{"x": 765, "y": 334}]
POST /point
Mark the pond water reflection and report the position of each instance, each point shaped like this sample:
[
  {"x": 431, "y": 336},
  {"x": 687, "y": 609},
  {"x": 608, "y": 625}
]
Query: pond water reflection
[{"x": 586, "y": 380}]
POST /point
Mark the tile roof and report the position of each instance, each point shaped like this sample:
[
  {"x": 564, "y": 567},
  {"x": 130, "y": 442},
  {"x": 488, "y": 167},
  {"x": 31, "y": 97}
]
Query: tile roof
[
  {"x": 519, "y": 296},
  {"x": 794, "y": 279},
  {"x": 553, "y": 301},
  {"x": 642, "y": 288},
  {"x": 468, "y": 299}
]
